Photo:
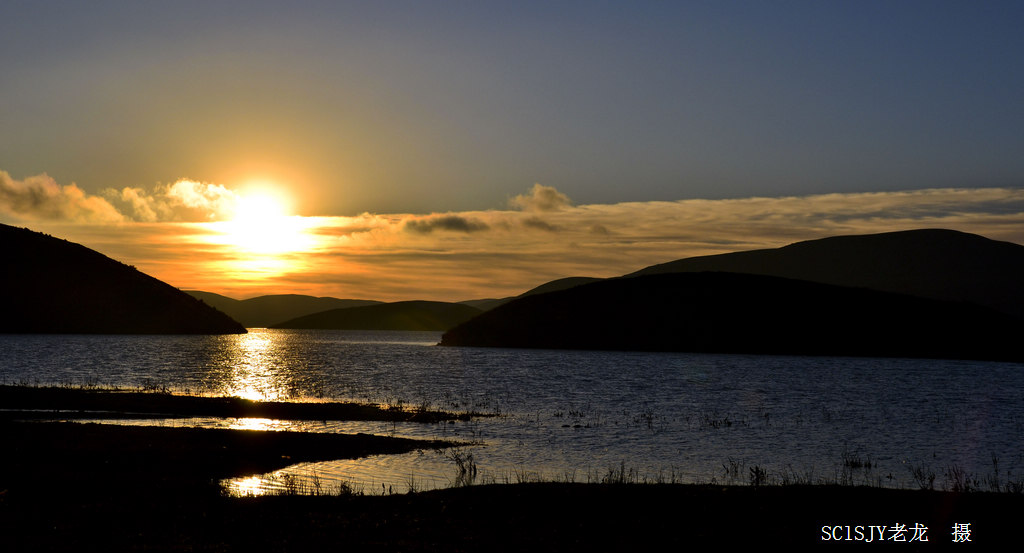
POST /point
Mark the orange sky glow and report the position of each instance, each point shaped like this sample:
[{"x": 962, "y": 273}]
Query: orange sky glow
[
  {"x": 463, "y": 150},
  {"x": 247, "y": 242}
]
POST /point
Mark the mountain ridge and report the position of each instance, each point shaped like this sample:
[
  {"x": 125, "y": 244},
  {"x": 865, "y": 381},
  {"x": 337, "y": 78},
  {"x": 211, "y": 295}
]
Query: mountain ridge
[
  {"x": 403, "y": 315},
  {"x": 712, "y": 312},
  {"x": 265, "y": 311},
  {"x": 51, "y": 285},
  {"x": 923, "y": 293},
  {"x": 935, "y": 263}
]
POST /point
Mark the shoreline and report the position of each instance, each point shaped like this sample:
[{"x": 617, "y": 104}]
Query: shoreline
[
  {"x": 34, "y": 402},
  {"x": 515, "y": 517},
  {"x": 82, "y": 487}
]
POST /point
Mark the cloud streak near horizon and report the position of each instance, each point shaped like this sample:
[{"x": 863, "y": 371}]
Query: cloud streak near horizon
[
  {"x": 40, "y": 197},
  {"x": 168, "y": 232}
]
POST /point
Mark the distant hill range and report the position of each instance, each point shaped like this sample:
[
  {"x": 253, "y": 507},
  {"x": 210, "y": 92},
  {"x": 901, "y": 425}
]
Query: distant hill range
[
  {"x": 553, "y": 286},
  {"x": 278, "y": 311},
  {"x": 55, "y": 286},
  {"x": 932, "y": 263},
  {"x": 403, "y": 315},
  {"x": 264, "y": 311},
  {"x": 925, "y": 293}
]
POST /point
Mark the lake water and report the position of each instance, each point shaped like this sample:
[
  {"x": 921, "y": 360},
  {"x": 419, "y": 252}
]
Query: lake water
[{"x": 578, "y": 415}]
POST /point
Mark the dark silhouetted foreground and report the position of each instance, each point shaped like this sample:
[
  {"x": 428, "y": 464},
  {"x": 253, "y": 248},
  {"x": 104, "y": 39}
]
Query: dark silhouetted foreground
[
  {"x": 743, "y": 313},
  {"x": 402, "y": 315},
  {"x": 55, "y": 286}
]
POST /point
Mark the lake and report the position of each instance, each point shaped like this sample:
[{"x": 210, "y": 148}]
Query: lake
[{"x": 578, "y": 415}]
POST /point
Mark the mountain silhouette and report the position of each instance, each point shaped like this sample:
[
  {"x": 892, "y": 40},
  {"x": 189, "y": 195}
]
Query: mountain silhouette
[
  {"x": 403, "y": 315},
  {"x": 55, "y": 286},
  {"x": 742, "y": 313},
  {"x": 921, "y": 293},
  {"x": 264, "y": 311},
  {"x": 933, "y": 263},
  {"x": 554, "y": 285}
]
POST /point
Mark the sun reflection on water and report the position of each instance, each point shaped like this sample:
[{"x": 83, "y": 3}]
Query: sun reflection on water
[
  {"x": 252, "y": 486},
  {"x": 273, "y": 425},
  {"x": 255, "y": 372}
]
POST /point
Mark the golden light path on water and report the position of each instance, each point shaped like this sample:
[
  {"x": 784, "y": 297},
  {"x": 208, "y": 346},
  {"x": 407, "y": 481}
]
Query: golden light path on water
[
  {"x": 260, "y": 371},
  {"x": 251, "y": 376},
  {"x": 375, "y": 474},
  {"x": 566, "y": 416}
]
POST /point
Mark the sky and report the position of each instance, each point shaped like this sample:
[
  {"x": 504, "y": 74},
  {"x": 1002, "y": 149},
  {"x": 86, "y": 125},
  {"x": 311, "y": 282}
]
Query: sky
[{"x": 457, "y": 150}]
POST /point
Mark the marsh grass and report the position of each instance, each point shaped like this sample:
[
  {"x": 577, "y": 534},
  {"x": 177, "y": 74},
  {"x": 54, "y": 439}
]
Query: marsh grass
[
  {"x": 466, "y": 469},
  {"x": 855, "y": 470},
  {"x": 758, "y": 476},
  {"x": 851, "y": 470},
  {"x": 853, "y": 460},
  {"x": 924, "y": 476},
  {"x": 291, "y": 485}
]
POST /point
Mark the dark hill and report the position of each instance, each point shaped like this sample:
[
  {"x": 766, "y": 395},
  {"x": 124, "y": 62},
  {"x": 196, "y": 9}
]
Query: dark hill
[
  {"x": 55, "y": 286},
  {"x": 553, "y": 286},
  {"x": 264, "y": 311},
  {"x": 934, "y": 263},
  {"x": 740, "y": 313},
  {"x": 403, "y": 315},
  {"x": 559, "y": 284}
]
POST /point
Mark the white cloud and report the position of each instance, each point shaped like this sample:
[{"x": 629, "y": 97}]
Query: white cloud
[
  {"x": 464, "y": 255},
  {"x": 449, "y": 222},
  {"x": 185, "y": 200},
  {"x": 541, "y": 198},
  {"x": 41, "y": 198}
]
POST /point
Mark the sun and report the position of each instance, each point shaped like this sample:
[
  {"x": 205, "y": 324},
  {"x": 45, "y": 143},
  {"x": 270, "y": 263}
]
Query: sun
[
  {"x": 261, "y": 225},
  {"x": 259, "y": 207}
]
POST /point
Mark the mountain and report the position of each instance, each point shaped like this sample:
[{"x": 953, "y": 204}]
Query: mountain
[
  {"x": 933, "y": 263},
  {"x": 264, "y": 311},
  {"x": 554, "y": 285},
  {"x": 487, "y": 303},
  {"x": 559, "y": 284},
  {"x": 403, "y": 315},
  {"x": 743, "y": 313},
  {"x": 55, "y": 286}
]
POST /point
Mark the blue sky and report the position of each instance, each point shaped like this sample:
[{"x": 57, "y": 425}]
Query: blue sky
[
  {"x": 434, "y": 106},
  {"x": 452, "y": 150}
]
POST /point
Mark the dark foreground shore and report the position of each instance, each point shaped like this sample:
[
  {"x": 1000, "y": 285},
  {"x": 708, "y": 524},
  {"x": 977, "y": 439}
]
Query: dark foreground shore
[
  {"x": 88, "y": 487},
  {"x": 518, "y": 517},
  {"x": 39, "y": 402}
]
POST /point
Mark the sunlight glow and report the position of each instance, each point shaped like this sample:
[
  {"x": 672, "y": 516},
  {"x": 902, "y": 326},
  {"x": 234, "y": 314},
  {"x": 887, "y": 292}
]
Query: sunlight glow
[
  {"x": 262, "y": 225},
  {"x": 262, "y": 424},
  {"x": 261, "y": 240},
  {"x": 256, "y": 374},
  {"x": 252, "y": 486}
]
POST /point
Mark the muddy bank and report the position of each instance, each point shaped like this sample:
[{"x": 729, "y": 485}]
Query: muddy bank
[
  {"x": 28, "y": 401},
  {"x": 517, "y": 517},
  {"x": 62, "y": 459}
]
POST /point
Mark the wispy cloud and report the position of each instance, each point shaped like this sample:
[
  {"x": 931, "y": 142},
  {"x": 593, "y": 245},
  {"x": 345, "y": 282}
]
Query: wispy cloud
[
  {"x": 184, "y": 200},
  {"x": 450, "y": 222},
  {"x": 41, "y": 198},
  {"x": 496, "y": 253},
  {"x": 541, "y": 198},
  {"x": 539, "y": 224}
]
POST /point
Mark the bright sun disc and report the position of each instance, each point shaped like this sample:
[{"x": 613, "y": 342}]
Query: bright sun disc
[
  {"x": 256, "y": 208},
  {"x": 261, "y": 225}
]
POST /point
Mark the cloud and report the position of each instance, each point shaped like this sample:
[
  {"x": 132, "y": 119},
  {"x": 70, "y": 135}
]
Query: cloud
[
  {"x": 41, "y": 198},
  {"x": 183, "y": 201},
  {"x": 539, "y": 224},
  {"x": 475, "y": 254},
  {"x": 541, "y": 198},
  {"x": 454, "y": 223}
]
